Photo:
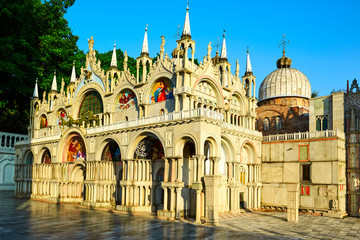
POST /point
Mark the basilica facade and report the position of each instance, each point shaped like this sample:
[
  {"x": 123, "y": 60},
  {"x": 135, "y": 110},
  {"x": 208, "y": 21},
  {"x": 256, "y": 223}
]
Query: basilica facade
[
  {"x": 178, "y": 139},
  {"x": 187, "y": 140}
]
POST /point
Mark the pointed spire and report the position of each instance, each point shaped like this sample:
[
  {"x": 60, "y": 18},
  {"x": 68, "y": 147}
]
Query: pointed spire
[
  {"x": 223, "y": 54},
  {"x": 36, "y": 92},
  {"x": 186, "y": 31},
  {"x": 145, "y": 46},
  {"x": 54, "y": 83},
  {"x": 248, "y": 63},
  {"x": 113, "y": 63},
  {"x": 73, "y": 74}
]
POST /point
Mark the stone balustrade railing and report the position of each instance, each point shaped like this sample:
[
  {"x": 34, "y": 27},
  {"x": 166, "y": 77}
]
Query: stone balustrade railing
[
  {"x": 199, "y": 112},
  {"x": 182, "y": 89},
  {"x": 305, "y": 135},
  {"x": 173, "y": 116},
  {"x": 241, "y": 129},
  {"x": 8, "y": 140}
]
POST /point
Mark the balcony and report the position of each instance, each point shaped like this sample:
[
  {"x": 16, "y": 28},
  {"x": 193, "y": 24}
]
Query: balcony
[{"x": 305, "y": 135}]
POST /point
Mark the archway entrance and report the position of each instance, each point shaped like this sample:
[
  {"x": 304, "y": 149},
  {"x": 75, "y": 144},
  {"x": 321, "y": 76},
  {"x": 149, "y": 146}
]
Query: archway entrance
[
  {"x": 187, "y": 194},
  {"x": 111, "y": 158},
  {"x": 148, "y": 168}
]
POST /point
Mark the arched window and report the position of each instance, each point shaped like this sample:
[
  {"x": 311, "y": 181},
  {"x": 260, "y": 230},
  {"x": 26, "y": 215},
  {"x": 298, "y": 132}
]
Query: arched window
[
  {"x": 46, "y": 157},
  {"x": 92, "y": 102},
  {"x": 278, "y": 124},
  {"x": 247, "y": 88},
  {"x": 266, "y": 124}
]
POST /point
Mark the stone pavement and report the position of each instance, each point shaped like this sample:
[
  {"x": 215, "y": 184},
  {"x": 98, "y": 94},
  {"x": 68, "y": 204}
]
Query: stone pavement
[{"x": 29, "y": 219}]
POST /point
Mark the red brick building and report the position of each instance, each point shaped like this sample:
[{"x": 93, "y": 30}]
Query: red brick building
[{"x": 283, "y": 105}]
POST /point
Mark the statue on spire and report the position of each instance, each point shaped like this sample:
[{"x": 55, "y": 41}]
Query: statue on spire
[
  {"x": 125, "y": 61},
  {"x": 162, "y": 47},
  {"x": 209, "y": 51},
  {"x": 91, "y": 43}
]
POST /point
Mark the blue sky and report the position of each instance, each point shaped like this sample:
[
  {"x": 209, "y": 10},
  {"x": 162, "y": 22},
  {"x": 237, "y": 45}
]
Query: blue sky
[{"x": 324, "y": 35}]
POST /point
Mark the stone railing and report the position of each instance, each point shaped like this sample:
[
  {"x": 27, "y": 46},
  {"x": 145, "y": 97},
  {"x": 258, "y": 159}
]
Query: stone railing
[
  {"x": 182, "y": 89},
  {"x": 40, "y": 139},
  {"x": 173, "y": 116},
  {"x": 305, "y": 135},
  {"x": 241, "y": 129},
  {"x": 8, "y": 140}
]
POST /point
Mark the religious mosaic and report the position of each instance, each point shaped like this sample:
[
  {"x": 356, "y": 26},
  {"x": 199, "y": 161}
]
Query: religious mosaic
[
  {"x": 112, "y": 152},
  {"x": 76, "y": 149},
  {"x": 43, "y": 121},
  {"x": 46, "y": 158},
  {"x": 149, "y": 148},
  {"x": 126, "y": 100},
  {"x": 61, "y": 117},
  {"x": 161, "y": 91}
]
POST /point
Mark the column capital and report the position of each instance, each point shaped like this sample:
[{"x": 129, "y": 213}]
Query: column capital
[
  {"x": 215, "y": 159},
  {"x": 200, "y": 157}
]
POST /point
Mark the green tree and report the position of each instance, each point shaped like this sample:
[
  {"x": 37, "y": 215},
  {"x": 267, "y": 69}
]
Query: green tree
[
  {"x": 314, "y": 94},
  {"x": 35, "y": 40}
]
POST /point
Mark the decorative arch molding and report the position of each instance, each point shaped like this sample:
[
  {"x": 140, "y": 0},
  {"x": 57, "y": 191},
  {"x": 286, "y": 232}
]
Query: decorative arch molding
[
  {"x": 243, "y": 104},
  {"x": 250, "y": 148},
  {"x": 103, "y": 143},
  {"x": 214, "y": 145},
  {"x": 41, "y": 155},
  {"x": 215, "y": 85},
  {"x": 25, "y": 156},
  {"x": 68, "y": 134},
  {"x": 8, "y": 172},
  {"x": 181, "y": 141},
  {"x": 78, "y": 172},
  {"x": 137, "y": 139},
  {"x": 151, "y": 85},
  {"x": 78, "y": 99},
  {"x": 55, "y": 119},
  {"x": 122, "y": 90},
  {"x": 96, "y": 76},
  {"x": 231, "y": 153}
]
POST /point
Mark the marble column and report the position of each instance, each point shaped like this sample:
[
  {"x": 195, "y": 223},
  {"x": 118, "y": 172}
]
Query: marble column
[
  {"x": 165, "y": 198},
  {"x": 198, "y": 207}
]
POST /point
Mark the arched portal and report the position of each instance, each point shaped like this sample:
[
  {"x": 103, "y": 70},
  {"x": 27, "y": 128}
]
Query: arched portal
[
  {"x": 149, "y": 148},
  {"x": 111, "y": 152},
  {"x": 46, "y": 157},
  {"x": 29, "y": 158},
  {"x": 188, "y": 195},
  {"x": 74, "y": 149},
  {"x": 159, "y": 191}
]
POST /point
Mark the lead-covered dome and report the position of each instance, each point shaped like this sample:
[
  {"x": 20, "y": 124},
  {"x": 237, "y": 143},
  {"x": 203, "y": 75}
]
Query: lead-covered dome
[{"x": 285, "y": 82}]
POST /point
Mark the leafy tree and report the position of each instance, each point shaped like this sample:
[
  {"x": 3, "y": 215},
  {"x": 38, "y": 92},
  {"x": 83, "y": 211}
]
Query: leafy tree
[
  {"x": 314, "y": 94},
  {"x": 105, "y": 59},
  {"x": 338, "y": 90},
  {"x": 35, "y": 40}
]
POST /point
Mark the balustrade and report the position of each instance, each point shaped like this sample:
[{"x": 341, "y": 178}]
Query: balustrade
[{"x": 305, "y": 135}]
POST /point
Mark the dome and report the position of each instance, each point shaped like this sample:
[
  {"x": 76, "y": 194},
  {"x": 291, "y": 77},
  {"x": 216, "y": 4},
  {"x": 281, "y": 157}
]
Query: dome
[{"x": 285, "y": 82}]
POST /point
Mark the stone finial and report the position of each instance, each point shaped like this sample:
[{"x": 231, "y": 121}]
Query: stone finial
[
  {"x": 54, "y": 83},
  {"x": 248, "y": 63},
  {"x": 237, "y": 69},
  {"x": 145, "y": 46},
  {"x": 36, "y": 91},
  {"x": 223, "y": 54},
  {"x": 186, "y": 30},
  {"x": 113, "y": 63},
  {"x": 73, "y": 74}
]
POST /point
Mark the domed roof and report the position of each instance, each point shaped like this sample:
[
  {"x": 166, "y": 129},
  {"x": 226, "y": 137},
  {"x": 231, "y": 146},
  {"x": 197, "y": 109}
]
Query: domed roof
[{"x": 284, "y": 82}]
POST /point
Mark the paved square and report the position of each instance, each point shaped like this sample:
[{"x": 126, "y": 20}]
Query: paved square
[{"x": 29, "y": 219}]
